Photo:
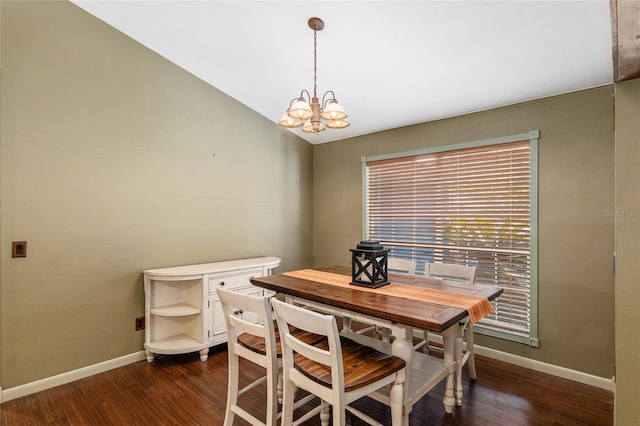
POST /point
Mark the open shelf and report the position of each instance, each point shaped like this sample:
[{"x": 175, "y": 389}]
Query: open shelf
[
  {"x": 176, "y": 344},
  {"x": 426, "y": 370},
  {"x": 176, "y": 310}
]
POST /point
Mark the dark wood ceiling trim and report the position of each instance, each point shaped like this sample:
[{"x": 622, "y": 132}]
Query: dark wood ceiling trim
[{"x": 626, "y": 39}]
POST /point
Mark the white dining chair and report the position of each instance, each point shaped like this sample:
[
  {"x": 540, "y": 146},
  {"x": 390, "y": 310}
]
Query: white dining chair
[
  {"x": 450, "y": 271},
  {"x": 463, "y": 273},
  {"x": 252, "y": 335},
  {"x": 397, "y": 265},
  {"x": 338, "y": 370}
]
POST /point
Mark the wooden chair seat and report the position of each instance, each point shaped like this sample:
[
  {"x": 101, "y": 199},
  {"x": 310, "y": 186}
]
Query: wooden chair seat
[
  {"x": 363, "y": 365},
  {"x": 257, "y": 344}
]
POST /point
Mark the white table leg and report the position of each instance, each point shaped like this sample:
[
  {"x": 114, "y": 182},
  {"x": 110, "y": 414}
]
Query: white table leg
[
  {"x": 402, "y": 347},
  {"x": 449, "y": 337},
  {"x": 346, "y": 325},
  {"x": 458, "y": 358}
]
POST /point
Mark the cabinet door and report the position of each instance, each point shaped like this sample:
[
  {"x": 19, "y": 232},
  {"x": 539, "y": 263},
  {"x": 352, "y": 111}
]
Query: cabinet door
[
  {"x": 251, "y": 316},
  {"x": 234, "y": 281},
  {"x": 218, "y": 326}
]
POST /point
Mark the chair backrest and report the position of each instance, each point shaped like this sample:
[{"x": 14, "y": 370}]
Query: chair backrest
[
  {"x": 289, "y": 315},
  {"x": 240, "y": 314},
  {"x": 251, "y": 334},
  {"x": 450, "y": 271},
  {"x": 401, "y": 266},
  {"x": 336, "y": 369}
]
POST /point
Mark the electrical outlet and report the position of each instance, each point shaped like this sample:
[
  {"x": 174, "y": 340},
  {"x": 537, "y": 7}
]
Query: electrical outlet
[{"x": 139, "y": 323}]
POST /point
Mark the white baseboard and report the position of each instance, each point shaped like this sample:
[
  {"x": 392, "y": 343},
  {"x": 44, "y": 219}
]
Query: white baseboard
[
  {"x": 70, "y": 376},
  {"x": 543, "y": 367}
]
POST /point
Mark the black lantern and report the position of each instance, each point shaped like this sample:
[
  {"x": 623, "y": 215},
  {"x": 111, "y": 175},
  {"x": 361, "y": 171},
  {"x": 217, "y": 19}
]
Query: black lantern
[{"x": 369, "y": 264}]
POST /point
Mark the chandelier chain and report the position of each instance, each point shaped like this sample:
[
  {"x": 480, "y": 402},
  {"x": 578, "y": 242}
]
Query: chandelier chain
[{"x": 315, "y": 62}]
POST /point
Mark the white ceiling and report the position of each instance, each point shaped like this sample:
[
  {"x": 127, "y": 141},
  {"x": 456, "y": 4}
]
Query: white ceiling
[{"x": 390, "y": 63}]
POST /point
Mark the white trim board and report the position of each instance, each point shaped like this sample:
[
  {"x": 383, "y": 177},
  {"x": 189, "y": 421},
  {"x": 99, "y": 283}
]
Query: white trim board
[
  {"x": 69, "y": 376},
  {"x": 543, "y": 367}
]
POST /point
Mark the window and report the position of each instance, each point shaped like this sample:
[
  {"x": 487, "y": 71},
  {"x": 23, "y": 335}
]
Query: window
[{"x": 471, "y": 204}]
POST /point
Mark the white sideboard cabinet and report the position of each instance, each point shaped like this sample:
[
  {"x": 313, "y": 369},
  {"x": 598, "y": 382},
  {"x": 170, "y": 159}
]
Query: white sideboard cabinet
[{"x": 182, "y": 310}]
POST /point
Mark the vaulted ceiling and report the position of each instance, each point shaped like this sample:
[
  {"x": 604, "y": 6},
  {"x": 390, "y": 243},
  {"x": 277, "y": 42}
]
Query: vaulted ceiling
[{"x": 390, "y": 63}]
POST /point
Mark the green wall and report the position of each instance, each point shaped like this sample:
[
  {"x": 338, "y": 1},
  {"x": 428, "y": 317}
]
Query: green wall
[
  {"x": 576, "y": 232},
  {"x": 627, "y": 210},
  {"x": 108, "y": 168}
]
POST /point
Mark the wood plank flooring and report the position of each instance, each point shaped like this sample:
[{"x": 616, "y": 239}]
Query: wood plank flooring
[{"x": 182, "y": 390}]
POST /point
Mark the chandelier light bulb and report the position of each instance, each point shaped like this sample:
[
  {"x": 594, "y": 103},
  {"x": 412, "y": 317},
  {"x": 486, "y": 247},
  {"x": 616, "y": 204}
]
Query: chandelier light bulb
[
  {"x": 300, "y": 110},
  {"x": 333, "y": 111},
  {"x": 290, "y": 122},
  {"x": 312, "y": 127},
  {"x": 338, "y": 124}
]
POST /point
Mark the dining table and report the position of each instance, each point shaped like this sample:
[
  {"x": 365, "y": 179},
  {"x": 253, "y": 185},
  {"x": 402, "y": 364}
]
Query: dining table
[{"x": 408, "y": 302}]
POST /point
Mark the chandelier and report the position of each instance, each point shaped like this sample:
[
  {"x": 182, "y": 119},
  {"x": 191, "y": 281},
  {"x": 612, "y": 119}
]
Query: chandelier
[{"x": 307, "y": 111}]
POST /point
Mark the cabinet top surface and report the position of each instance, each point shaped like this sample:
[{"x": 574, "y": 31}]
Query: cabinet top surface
[{"x": 215, "y": 267}]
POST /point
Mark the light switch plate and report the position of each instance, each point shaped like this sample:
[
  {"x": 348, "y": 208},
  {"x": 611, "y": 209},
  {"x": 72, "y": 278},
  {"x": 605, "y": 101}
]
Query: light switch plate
[{"x": 19, "y": 249}]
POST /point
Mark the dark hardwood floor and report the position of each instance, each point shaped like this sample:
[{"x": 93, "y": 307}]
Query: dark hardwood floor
[{"x": 182, "y": 390}]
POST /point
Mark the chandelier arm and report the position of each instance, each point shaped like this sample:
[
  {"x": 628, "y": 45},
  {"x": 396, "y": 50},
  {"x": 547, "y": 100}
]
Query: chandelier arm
[
  {"x": 324, "y": 100},
  {"x": 308, "y": 99}
]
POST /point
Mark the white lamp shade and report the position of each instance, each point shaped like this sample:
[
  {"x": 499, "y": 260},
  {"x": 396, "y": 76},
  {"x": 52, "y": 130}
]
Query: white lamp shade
[
  {"x": 308, "y": 127},
  {"x": 300, "y": 110},
  {"x": 290, "y": 122},
  {"x": 333, "y": 111},
  {"x": 338, "y": 124}
]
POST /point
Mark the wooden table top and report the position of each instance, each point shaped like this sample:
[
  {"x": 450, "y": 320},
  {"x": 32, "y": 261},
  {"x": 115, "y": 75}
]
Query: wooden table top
[{"x": 401, "y": 310}]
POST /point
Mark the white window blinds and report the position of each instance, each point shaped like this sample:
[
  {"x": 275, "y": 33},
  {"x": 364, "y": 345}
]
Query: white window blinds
[{"x": 467, "y": 206}]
